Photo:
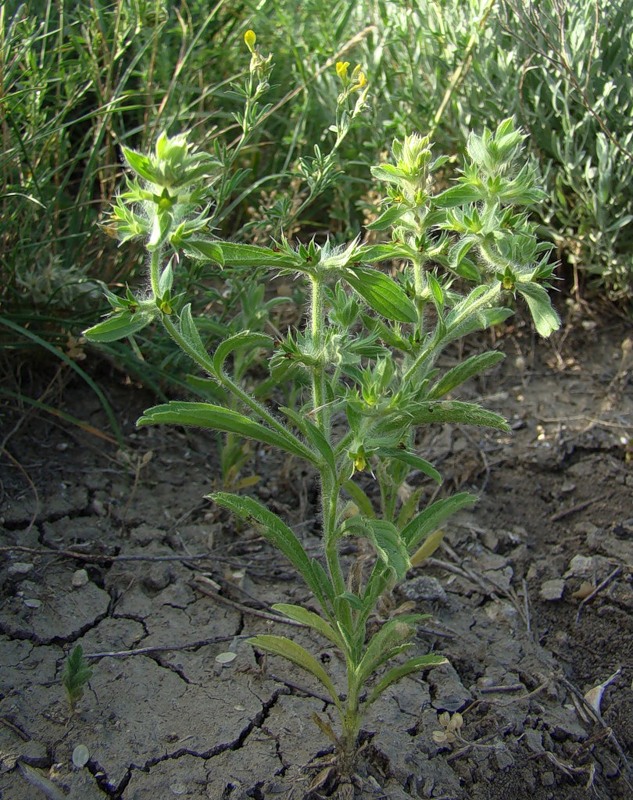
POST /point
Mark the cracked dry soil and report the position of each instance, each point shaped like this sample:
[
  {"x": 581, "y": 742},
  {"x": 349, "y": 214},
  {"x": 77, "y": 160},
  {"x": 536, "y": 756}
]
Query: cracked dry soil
[{"x": 531, "y": 601}]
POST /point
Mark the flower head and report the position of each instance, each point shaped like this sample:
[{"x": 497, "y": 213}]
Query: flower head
[{"x": 341, "y": 69}]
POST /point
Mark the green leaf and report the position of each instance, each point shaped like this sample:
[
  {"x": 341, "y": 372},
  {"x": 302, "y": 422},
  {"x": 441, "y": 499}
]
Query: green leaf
[
  {"x": 545, "y": 318},
  {"x": 275, "y": 531},
  {"x": 166, "y": 280},
  {"x": 389, "y": 545},
  {"x": 389, "y": 217},
  {"x": 119, "y": 326},
  {"x": 460, "y": 250},
  {"x": 282, "y": 646},
  {"x": 436, "y": 290},
  {"x": 389, "y": 173},
  {"x": 410, "y": 458},
  {"x": 401, "y": 671},
  {"x": 462, "y": 372},
  {"x": 381, "y": 293},
  {"x": 207, "y": 415},
  {"x": 429, "y": 411},
  {"x": 141, "y": 164},
  {"x": 350, "y": 599},
  {"x": 393, "y": 634},
  {"x": 432, "y": 517},
  {"x": 235, "y": 254},
  {"x": 248, "y": 339},
  {"x": 189, "y": 331},
  {"x": 160, "y": 230},
  {"x": 312, "y": 620},
  {"x": 371, "y": 253},
  {"x": 387, "y": 541},
  {"x": 204, "y": 249},
  {"x": 457, "y": 196},
  {"x": 360, "y": 498},
  {"x": 480, "y": 320},
  {"x": 207, "y": 388},
  {"x": 323, "y": 584}
]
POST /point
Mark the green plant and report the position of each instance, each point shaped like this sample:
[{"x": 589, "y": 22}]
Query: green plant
[
  {"x": 368, "y": 359},
  {"x": 75, "y": 676}
]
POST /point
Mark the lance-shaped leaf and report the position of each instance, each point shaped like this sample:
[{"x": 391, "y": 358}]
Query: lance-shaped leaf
[
  {"x": 386, "y": 643},
  {"x": 371, "y": 253},
  {"x": 389, "y": 217},
  {"x": 401, "y": 671},
  {"x": 119, "y": 326},
  {"x": 545, "y": 318},
  {"x": 207, "y": 415},
  {"x": 312, "y": 620},
  {"x": 457, "y": 196},
  {"x": 204, "y": 249},
  {"x": 275, "y": 531},
  {"x": 381, "y": 293},
  {"x": 433, "y": 516},
  {"x": 235, "y": 254},
  {"x": 361, "y": 499},
  {"x": 462, "y": 372},
  {"x": 387, "y": 541},
  {"x": 411, "y": 459},
  {"x": 190, "y": 332},
  {"x": 282, "y": 646},
  {"x": 248, "y": 339},
  {"x": 141, "y": 164},
  {"x": 455, "y": 411}
]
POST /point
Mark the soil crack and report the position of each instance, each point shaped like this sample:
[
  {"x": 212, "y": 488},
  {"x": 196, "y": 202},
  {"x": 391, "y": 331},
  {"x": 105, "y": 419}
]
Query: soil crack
[{"x": 236, "y": 744}]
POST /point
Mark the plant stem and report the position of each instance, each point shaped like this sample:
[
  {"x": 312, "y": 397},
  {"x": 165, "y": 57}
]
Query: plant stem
[
  {"x": 154, "y": 271},
  {"x": 319, "y": 397}
]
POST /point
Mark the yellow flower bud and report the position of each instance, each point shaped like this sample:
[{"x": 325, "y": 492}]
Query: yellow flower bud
[
  {"x": 341, "y": 69},
  {"x": 249, "y": 40}
]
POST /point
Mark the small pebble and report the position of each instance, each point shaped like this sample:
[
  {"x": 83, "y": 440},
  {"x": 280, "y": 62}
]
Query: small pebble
[
  {"x": 424, "y": 587},
  {"x": 581, "y": 567},
  {"x": 553, "y": 590},
  {"x": 80, "y": 578},
  {"x": 157, "y": 578}
]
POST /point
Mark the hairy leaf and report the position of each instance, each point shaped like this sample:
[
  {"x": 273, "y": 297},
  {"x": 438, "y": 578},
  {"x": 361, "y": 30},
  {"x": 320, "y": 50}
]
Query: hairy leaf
[
  {"x": 282, "y": 646},
  {"x": 381, "y": 293},
  {"x": 207, "y": 415}
]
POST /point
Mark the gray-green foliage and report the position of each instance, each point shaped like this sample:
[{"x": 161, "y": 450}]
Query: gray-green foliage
[{"x": 576, "y": 100}]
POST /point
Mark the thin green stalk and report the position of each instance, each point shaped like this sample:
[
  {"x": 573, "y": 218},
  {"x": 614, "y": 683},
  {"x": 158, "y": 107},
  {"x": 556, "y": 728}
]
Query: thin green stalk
[
  {"x": 154, "y": 271},
  {"x": 319, "y": 393}
]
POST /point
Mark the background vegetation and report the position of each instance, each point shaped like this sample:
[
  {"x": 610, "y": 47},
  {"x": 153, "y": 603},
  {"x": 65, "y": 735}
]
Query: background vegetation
[{"x": 81, "y": 79}]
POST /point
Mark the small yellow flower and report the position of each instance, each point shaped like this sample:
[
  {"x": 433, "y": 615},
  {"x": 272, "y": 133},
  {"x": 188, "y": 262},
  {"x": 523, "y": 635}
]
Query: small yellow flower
[
  {"x": 361, "y": 80},
  {"x": 341, "y": 69},
  {"x": 249, "y": 40}
]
